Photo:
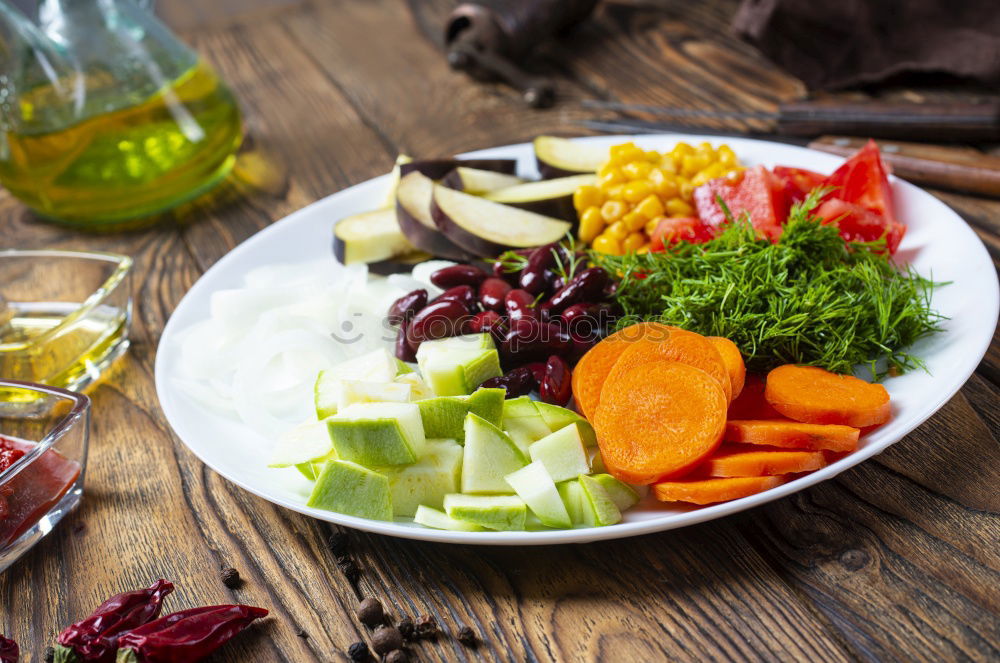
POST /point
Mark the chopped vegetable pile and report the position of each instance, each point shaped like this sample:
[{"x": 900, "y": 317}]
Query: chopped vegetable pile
[{"x": 808, "y": 299}]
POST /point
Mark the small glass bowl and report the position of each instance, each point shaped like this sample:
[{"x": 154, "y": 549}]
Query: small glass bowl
[
  {"x": 46, "y": 482},
  {"x": 64, "y": 315}
]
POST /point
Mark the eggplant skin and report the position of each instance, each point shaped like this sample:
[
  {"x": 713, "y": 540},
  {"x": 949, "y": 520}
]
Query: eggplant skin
[
  {"x": 550, "y": 172},
  {"x": 429, "y": 239},
  {"x": 438, "y": 168}
]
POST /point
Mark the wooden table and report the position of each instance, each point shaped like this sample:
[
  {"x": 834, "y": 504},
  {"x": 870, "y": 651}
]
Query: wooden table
[{"x": 896, "y": 559}]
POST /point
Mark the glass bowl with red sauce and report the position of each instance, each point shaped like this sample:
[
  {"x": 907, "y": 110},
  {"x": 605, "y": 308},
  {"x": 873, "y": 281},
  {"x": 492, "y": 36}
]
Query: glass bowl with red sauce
[{"x": 43, "y": 452}]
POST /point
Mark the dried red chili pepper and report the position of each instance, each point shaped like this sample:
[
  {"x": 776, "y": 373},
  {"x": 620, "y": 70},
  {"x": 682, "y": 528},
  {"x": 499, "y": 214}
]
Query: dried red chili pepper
[
  {"x": 9, "y": 651},
  {"x": 95, "y": 639},
  {"x": 186, "y": 636}
]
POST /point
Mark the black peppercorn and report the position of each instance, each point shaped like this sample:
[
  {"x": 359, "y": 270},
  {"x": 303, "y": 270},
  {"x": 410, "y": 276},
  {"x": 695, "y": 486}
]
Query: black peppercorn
[
  {"x": 396, "y": 656},
  {"x": 405, "y": 627},
  {"x": 370, "y": 611},
  {"x": 50, "y": 654},
  {"x": 386, "y": 639},
  {"x": 426, "y": 627},
  {"x": 231, "y": 578},
  {"x": 467, "y": 636},
  {"x": 338, "y": 543},
  {"x": 302, "y": 634},
  {"x": 358, "y": 652}
]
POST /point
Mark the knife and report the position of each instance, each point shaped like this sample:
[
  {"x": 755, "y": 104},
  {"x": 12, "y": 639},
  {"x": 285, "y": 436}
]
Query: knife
[
  {"x": 963, "y": 169},
  {"x": 922, "y": 122}
]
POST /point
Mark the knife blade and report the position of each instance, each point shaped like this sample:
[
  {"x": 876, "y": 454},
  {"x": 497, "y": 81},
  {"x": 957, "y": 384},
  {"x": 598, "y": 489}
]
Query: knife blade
[{"x": 935, "y": 122}]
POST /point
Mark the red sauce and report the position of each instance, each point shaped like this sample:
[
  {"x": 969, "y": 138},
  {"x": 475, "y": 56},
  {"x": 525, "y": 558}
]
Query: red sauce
[{"x": 36, "y": 489}]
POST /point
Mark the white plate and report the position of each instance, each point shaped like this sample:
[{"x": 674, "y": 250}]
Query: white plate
[{"x": 938, "y": 244}]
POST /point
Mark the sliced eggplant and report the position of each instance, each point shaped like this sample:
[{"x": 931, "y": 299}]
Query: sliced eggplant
[
  {"x": 548, "y": 197},
  {"x": 477, "y": 181},
  {"x": 562, "y": 157},
  {"x": 438, "y": 168},
  {"x": 370, "y": 237},
  {"x": 486, "y": 228},
  {"x": 390, "y": 195},
  {"x": 399, "y": 265},
  {"x": 413, "y": 212}
]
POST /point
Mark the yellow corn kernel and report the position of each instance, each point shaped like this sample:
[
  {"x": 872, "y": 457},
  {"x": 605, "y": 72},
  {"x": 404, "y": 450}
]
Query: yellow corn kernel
[
  {"x": 625, "y": 153},
  {"x": 637, "y": 170},
  {"x": 614, "y": 192},
  {"x": 667, "y": 189},
  {"x": 587, "y": 196},
  {"x": 643, "y": 249},
  {"x": 692, "y": 163},
  {"x": 633, "y": 242},
  {"x": 612, "y": 210},
  {"x": 649, "y": 207},
  {"x": 726, "y": 156},
  {"x": 618, "y": 230},
  {"x": 634, "y": 221},
  {"x": 637, "y": 190},
  {"x": 680, "y": 151},
  {"x": 685, "y": 191},
  {"x": 653, "y": 157},
  {"x": 650, "y": 226},
  {"x": 591, "y": 224},
  {"x": 606, "y": 244},
  {"x": 608, "y": 175},
  {"x": 668, "y": 164},
  {"x": 708, "y": 173},
  {"x": 677, "y": 207},
  {"x": 706, "y": 149}
]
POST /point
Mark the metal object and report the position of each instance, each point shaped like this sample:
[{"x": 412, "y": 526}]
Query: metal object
[{"x": 487, "y": 39}]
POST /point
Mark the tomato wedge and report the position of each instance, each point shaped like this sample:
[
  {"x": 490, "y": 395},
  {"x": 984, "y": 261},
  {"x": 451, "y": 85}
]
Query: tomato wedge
[
  {"x": 677, "y": 229},
  {"x": 797, "y": 182},
  {"x": 864, "y": 180},
  {"x": 857, "y": 224},
  {"x": 754, "y": 193}
]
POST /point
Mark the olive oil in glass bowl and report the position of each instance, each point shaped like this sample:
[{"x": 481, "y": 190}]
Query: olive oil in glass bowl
[{"x": 64, "y": 315}]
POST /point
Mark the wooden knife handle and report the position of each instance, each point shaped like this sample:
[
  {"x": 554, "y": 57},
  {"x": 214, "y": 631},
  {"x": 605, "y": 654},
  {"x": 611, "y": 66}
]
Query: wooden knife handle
[
  {"x": 904, "y": 121},
  {"x": 957, "y": 168}
]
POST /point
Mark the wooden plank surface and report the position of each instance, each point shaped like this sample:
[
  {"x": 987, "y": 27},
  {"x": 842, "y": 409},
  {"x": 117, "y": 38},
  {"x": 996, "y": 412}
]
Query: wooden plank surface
[{"x": 897, "y": 559}]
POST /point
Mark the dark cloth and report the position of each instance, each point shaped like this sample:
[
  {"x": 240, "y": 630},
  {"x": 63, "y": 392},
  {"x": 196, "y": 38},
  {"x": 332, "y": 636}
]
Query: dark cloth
[{"x": 847, "y": 43}]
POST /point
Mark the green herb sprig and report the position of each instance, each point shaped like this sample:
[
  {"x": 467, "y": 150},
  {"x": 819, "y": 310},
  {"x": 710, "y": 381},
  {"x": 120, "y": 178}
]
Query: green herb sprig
[{"x": 808, "y": 299}]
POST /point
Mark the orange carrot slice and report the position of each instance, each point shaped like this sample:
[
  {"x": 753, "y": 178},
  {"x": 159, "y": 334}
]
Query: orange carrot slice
[
  {"x": 673, "y": 344},
  {"x": 733, "y": 359},
  {"x": 731, "y": 460},
  {"x": 658, "y": 419},
  {"x": 750, "y": 404},
  {"x": 593, "y": 368},
  {"x": 792, "y": 434},
  {"x": 709, "y": 491},
  {"x": 816, "y": 396}
]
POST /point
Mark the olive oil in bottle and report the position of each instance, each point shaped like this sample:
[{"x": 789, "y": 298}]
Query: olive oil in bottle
[{"x": 128, "y": 163}]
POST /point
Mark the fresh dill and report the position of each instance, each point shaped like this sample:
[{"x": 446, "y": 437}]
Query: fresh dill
[{"x": 808, "y": 299}]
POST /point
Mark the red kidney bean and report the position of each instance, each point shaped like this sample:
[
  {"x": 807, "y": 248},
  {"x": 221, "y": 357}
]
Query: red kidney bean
[
  {"x": 492, "y": 292},
  {"x": 439, "y": 319},
  {"x": 489, "y": 322},
  {"x": 530, "y": 340},
  {"x": 453, "y": 275},
  {"x": 588, "y": 319},
  {"x": 460, "y": 293},
  {"x": 588, "y": 284},
  {"x": 404, "y": 308},
  {"x": 537, "y": 369},
  {"x": 580, "y": 346},
  {"x": 517, "y": 382},
  {"x": 404, "y": 351},
  {"x": 500, "y": 269},
  {"x": 533, "y": 275},
  {"x": 519, "y": 304},
  {"x": 556, "y": 387},
  {"x": 610, "y": 290}
]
